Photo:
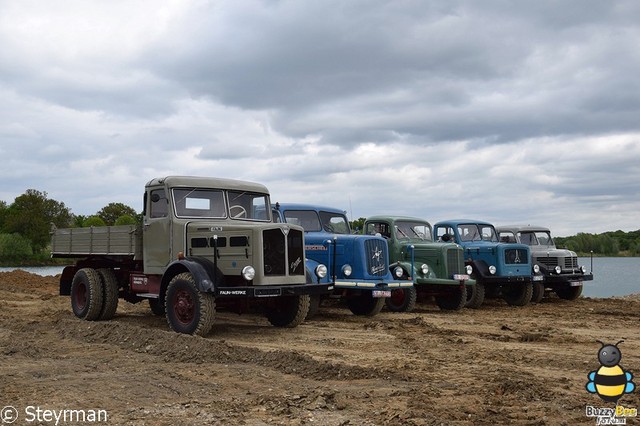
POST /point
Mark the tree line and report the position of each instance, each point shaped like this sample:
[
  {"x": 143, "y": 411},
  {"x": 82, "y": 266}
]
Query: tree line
[
  {"x": 25, "y": 227},
  {"x": 25, "y": 224}
]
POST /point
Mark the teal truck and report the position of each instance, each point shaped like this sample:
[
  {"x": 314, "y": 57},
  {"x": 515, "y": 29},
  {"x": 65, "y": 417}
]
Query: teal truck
[
  {"x": 500, "y": 269},
  {"x": 436, "y": 268}
]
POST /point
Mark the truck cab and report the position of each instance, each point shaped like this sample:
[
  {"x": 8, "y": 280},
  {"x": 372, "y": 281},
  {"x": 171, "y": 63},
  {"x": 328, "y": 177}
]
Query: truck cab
[
  {"x": 437, "y": 268},
  {"x": 357, "y": 265},
  {"x": 204, "y": 244},
  {"x": 500, "y": 269},
  {"x": 560, "y": 268}
]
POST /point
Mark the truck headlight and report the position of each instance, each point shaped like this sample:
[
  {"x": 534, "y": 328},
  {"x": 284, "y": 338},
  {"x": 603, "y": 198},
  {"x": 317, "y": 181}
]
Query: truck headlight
[
  {"x": 583, "y": 269},
  {"x": 424, "y": 268},
  {"x": 248, "y": 273},
  {"x": 558, "y": 269},
  {"x": 469, "y": 269},
  {"x": 347, "y": 270},
  {"x": 492, "y": 270},
  {"x": 321, "y": 271},
  {"x": 536, "y": 269},
  {"x": 398, "y": 272}
]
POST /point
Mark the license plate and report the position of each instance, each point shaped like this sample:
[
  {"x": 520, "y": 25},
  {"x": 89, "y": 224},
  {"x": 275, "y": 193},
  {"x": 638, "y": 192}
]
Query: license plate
[
  {"x": 381, "y": 293},
  {"x": 575, "y": 283},
  {"x": 538, "y": 277},
  {"x": 461, "y": 277}
]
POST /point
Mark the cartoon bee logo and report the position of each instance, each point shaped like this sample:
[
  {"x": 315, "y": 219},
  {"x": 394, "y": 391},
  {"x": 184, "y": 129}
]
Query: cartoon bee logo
[{"x": 610, "y": 381}]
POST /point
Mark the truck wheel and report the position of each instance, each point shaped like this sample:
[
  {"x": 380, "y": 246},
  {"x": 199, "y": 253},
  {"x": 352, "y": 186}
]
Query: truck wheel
[
  {"x": 365, "y": 304},
  {"x": 86, "y": 294},
  {"x": 475, "y": 295},
  {"x": 110, "y": 288},
  {"x": 538, "y": 292},
  {"x": 454, "y": 300},
  {"x": 288, "y": 311},
  {"x": 402, "y": 300},
  {"x": 517, "y": 294},
  {"x": 189, "y": 310},
  {"x": 314, "y": 305},
  {"x": 157, "y": 307},
  {"x": 569, "y": 293}
]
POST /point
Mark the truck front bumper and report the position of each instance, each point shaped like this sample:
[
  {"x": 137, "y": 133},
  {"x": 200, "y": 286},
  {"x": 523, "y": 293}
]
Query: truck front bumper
[
  {"x": 492, "y": 279},
  {"x": 372, "y": 285},
  {"x": 274, "y": 291},
  {"x": 567, "y": 279}
]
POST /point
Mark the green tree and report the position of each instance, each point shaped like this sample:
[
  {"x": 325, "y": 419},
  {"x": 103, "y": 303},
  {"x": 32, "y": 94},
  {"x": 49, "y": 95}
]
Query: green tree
[
  {"x": 14, "y": 247},
  {"x": 357, "y": 224},
  {"x": 112, "y": 211},
  {"x": 3, "y": 212},
  {"x": 126, "y": 219},
  {"x": 31, "y": 215},
  {"x": 94, "y": 220}
]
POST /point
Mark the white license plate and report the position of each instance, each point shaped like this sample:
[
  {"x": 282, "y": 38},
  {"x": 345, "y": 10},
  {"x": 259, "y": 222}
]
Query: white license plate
[
  {"x": 381, "y": 293},
  {"x": 575, "y": 283},
  {"x": 538, "y": 277}
]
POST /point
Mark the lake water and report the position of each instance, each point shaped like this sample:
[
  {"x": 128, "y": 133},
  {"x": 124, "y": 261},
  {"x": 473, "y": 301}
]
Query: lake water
[{"x": 612, "y": 276}]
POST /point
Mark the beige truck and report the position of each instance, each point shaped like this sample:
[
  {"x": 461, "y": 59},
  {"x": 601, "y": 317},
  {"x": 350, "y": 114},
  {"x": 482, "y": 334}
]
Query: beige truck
[{"x": 205, "y": 244}]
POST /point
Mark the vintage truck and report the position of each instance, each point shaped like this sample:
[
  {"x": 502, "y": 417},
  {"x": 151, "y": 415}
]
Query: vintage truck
[
  {"x": 358, "y": 265},
  {"x": 560, "y": 268},
  {"x": 437, "y": 268},
  {"x": 500, "y": 269},
  {"x": 205, "y": 244}
]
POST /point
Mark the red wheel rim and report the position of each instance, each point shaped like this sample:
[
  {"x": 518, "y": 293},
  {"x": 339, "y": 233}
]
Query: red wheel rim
[
  {"x": 397, "y": 297},
  {"x": 184, "y": 306},
  {"x": 80, "y": 295}
]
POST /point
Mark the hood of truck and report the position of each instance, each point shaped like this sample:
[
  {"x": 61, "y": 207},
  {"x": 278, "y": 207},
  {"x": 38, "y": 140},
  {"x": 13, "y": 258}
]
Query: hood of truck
[{"x": 367, "y": 255}]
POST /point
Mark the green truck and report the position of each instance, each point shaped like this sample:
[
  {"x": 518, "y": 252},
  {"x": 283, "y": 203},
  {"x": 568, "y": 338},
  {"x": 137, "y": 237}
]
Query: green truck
[
  {"x": 437, "y": 269},
  {"x": 205, "y": 244}
]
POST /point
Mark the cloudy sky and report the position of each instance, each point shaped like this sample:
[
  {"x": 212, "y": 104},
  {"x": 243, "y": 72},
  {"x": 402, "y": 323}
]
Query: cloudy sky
[{"x": 511, "y": 112}]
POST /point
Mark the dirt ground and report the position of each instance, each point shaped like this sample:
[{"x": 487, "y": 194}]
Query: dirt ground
[{"x": 495, "y": 365}]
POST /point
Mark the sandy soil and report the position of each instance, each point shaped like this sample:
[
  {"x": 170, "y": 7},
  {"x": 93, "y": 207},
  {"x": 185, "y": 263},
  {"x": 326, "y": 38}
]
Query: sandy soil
[{"x": 495, "y": 365}]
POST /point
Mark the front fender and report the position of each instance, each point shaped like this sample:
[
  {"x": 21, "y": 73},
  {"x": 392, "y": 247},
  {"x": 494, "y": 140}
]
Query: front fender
[
  {"x": 203, "y": 271},
  {"x": 480, "y": 268}
]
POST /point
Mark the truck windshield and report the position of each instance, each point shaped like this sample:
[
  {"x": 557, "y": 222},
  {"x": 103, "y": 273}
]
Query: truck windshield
[
  {"x": 536, "y": 238},
  {"x": 413, "y": 231},
  {"x": 195, "y": 202},
  {"x": 248, "y": 206},
  {"x": 334, "y": 222},
  {"x": 475, "y": 232},
  {"x": 308, "y": 219}
]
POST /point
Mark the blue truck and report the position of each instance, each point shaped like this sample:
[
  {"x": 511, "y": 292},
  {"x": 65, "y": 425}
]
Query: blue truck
[
  {"x": 357, "y": 265},
  {"x": 499, "y": 269}
]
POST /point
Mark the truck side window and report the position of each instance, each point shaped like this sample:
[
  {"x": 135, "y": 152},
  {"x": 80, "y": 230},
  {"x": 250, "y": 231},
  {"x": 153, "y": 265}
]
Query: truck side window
[{"x": 158, "y": 208}]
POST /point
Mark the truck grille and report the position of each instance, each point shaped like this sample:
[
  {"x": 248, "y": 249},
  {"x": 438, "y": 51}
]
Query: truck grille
[
  {"x": 455, "y": 262},
  {"x": 377, "y": 258},
  {"x": 515, "y": 257},
  {"x": 275, "y": 249},
  {"x": 548, "y": 262},
  {"x": 571, "y": 262}
]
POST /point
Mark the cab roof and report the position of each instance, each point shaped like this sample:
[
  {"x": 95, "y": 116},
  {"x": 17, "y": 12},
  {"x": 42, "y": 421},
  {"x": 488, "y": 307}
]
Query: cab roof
[
  {"x": 456, "y": 222},
  {"x": 208, "y": 182},
  {"x": 521, "y": 228},
  {"x": 300, "y": 206}
]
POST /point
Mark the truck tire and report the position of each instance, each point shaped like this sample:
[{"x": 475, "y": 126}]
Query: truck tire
[
  {"x": 569, "y": 293},
  {"x": 517, "y": 294},
  {"x": 475, "y": 295},
  {"x": 110, "y": 289},
  {"x": 538, "y": 292},
  {"x": 402, "y": 300},
  {"x": 288, "y": 311},
  {"x": 365, "y": 304},
  {"x": 455, "y": 300},
  {"x": 189, "y": 310},
  {"x": 86, "y": 294},
  {"x": 157, "y": 307},
  {"x": 314, "y": 305}
]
